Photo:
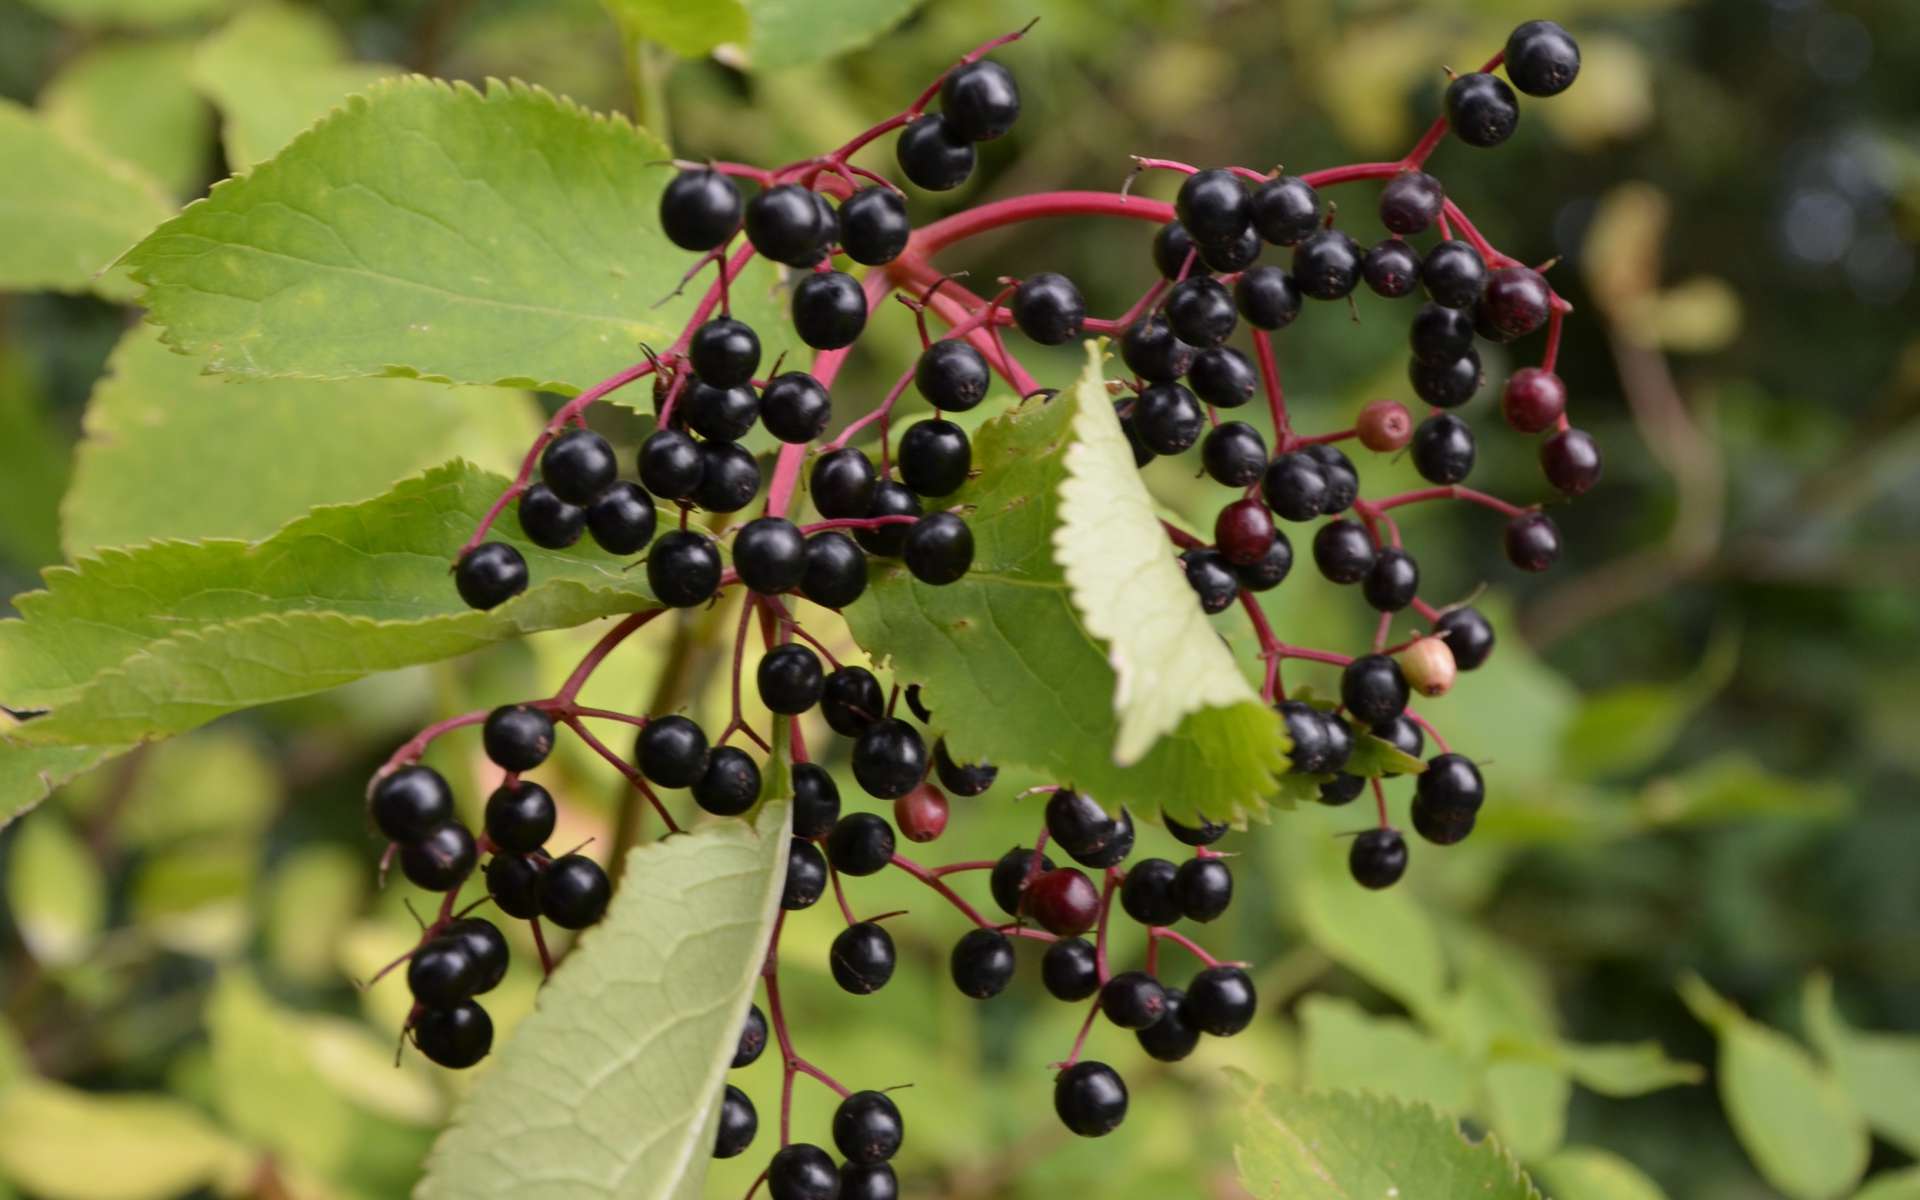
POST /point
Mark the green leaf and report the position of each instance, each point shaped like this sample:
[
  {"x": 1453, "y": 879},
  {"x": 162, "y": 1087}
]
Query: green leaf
[
  {"x": 272, "y": 72},
  {"x": 1342, "y": 1146},
  {"x": 29, "y": 774},
  {"x": 56, "y": 892},
  {"x": 788, "y": 33},
  {"x": 689, "y": 28},
  {"x": 1016, "y": 677},
  {"x": 1625, "y": 729},
  {"x": 198, "y": 899},
  {"x": 1385, "y": 937},
  {"x": 607, "y": 1089},
  {"x": 1349, "y": 1049},
  {"x": 134, "y": 102},
  {"x": 1526, "y": 1104},
  {"x": 157, "y": 640},
  {"x": 171, "y": 452},
  {"x": 1733, "y": 786},
  {"x": 1880, "y": 1071},
  {"x": 1590, "y": 1173},
  {"x": 427, "y": 229},
  {"x": 1626, "y": 1068},
  {"x": 33, "y": 468},
  {"x": 1892, "y": 1185},
  {"x": 137, "y": 13},
  {"x": 265, "y": 1087},
  {"x": 1796, "y": 1123},
  {"x": 61, "y": 1144},
  {"x": 66, "y": 209}
]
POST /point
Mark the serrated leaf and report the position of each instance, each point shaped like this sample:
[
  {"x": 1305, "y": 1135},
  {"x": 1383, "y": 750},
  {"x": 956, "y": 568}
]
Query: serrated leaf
[
  {"x": 1794, "y": 1120},
  {"x": 787, "y": 33},
  {"x": 608, "y": 1088},
  {"x": 55, "y": 892},
  {"x": 689, "y": 29},
  {"x": 154, "y": 641},
  {"x": 272, "y": 72},
  {"x": 1342, "y": 1146},
  {"x": 1349, "y": 1049},
  {"x": 66, "y": 209},
  {"x": 63, "y": 1144},
  {"x": 1880, "y": 1071},
  {"x": 133, "y": 101},
  {"x": 1590, "y": 1173},
  {"x": 171, "y": 452},
  {"x": 1015, "y": 676},
  {"x": 432, "y": 230},
  {"x": 29, "y": 774}
]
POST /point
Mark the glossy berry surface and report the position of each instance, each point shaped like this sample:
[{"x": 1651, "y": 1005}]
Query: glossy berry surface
[
  {"x": 483, "y": 940},
  {"x": 962, "y": 778},
  {"x": 829, "y": 310},
  {"x": 784, "y": 224},
  {"x": 1202, "y": 888},
  {"x": 1532, "y": 541},
  {"x": 1469, "y": 635},
  {"x": 1391, "y": 269},
  {"x": 1439, "y": 334},
  {"x": 622, "y": 518},
  {"x": 842, "y": 483},
  {"x": 933, "y": 155},
  {"x": 1235, "y": 255},
  {"x": 938, "y": 549},
  {"x": 1008, "y": 879},
  {"x": 1090, "y": 1098},
  {"x": 1516, "y": 302},
  {"x": 867, "y": 1128},
  {"x": 1542, "y": 58},
  {"x": 547, "y": 520},
  {"x": 802, "y": 1172},
  {"x": 1453, "y": 274},
  {"x": 520, "y": 817},
  {"x": 670, "y": 464},
  {"x": 816, "y": 801},
  {"x": 871, "y": 1181},
  {"x": 408, "y": 803},
  {"x": 440, "y": 858},
  {"x": 672, "y": 751},
  {"x": 574, "y": 891},
  {"x": 1064, "y": 902},
  {"x": 724, "y": 352},
  {"x": 1482, "y": 109},
  {"x": 455, "y": 1037},
  {"x": 862, "y": 958},
  {"x": 1048, "y": 308},
  {"x": 935, "y": 457},
  {"x": 873, "y": 226},
  {"x": 1392, "y": 581},
  {"x": 1377, "y": 858},
  {"x": 889, "y": 758},
  {"x": 770, "y": 555},
  {"x": 852, "y": 701},
  {"x": 795, "y": 408},
  {"x": 1295, "y": 487},
  {"x": 1267, "y": 297},
  {"x": 1533, "y": 400},
  {"x": 1213, "y": 205},
  {"x": 578, "y": 465},
  {"x": 683, "y": 569},
  {"x": 1343, "y": 482},
  {"x": 1446, "y": 385},
  {"x": 1571, "y": 461},
  {"x": 1201, "y": 312},
  {"x": 1220, "y": 1001},
  {"x": 1171, "y": 1038},
  {"x": 806, "y": 878},
  {"x": 490, "y": 574},
  {"x": 1326, "y": 265},
  {"x": 737, "y": 1124},
  {"x": 790, "y": 679},
  {"x": 753, "y": 1038},
  {"x": 860, "y": 844},
  {"x": 982, "y": 963},
  {"x": 1410, "y": 201},
  {"x": 442, "y": 973},
  {"x": 1443, "y": 449},
  {"x": 731, "y": 783},
  {"x": 1373, "y": 689},
  {"x": 729, "y": 477},
  {"x": 980, "y": 99},
  {"x": 699, "y": 209},
  {"x": 720, "y": 414},
  {"x": 514, "y": 884},
  {"x": 1234, "y": 454},
  {"x": 1151, "y": 351},
  {"x": 952, "y": 375},
  {"x": 835, "y": 574},
  {"x": 1204, "y": 833},
  {"x": 1133, "y": 1000},
  {"x": 1069, "y": 969},
  {"x": 1243, "y": 532},
  {"x": 1286, "y": 210},
  {"x": 1147, "y": 892},
  {"x": 890, "y": 499},
  {"x": 1222, "y": 377},
  {"x": 1342, "y": 551}
]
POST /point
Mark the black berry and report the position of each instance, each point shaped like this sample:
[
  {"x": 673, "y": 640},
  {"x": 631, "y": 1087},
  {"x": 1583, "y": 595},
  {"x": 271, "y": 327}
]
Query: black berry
[
  {"x": 860, "y": 844},
  {"x": 1133, "y": 1000},
  {"x": 729, "y": 477},
  {"x": 770, "y": 554},
  {"x": 1286, "y": 210},
  {"x": 731, "y": 783},
  {"x": 1090, "y": 1098},
  {"x": 1267, "y": 297},
  {"x": 683, "y": 569},
  {"x": 862, "y": 958},
  {"x": 1391, "y": 268},
  {"x": 724, "y": 352},
  {"x": 671, "y": 464},
  {"x": 889, "y": 759},
  {"x": 1571, "y": 460},
  {"x": 1446, "y": 385},
  {"x": 490, "y": 574},
  {"x": 1222, "y": 377},
  {"x": 1151, "y": 351},
  {"x": 720, "y": 414},
  {"x": 1200, "y": 310},
  {"x": 1532, "y": 541},
  {"x": 1469, "y": 635},
  {"x": 441, "y": 858},
  {"x": 622, "y": 518},
  {"x": 1378, "y": 858},
  {"x": 1213, "y": 206},
  {"x": 409, "y": 803},
  {"x": 1410, "y": 202},
  {"x": 806, "y": 876},
  {"x": 836, "y": 570},
  {"x": 1542, "y": 58},
  {"x": 952, "y": 375},
  {"x": 932, "y": 155},
  {"x": 1343, "y": 551},
  {"x": 574, "y": 891},
  {"x": 829, "y": 310},
  {"x": 784, "y": 224},
  {"x": 1295, "y": 487},
  {"x": 443, "y": 973},
  {"x": 939, "y": 549},
  {"x": 548, "y": 521},
  {"x": 1147, "y": 892},
  {"x": 699, "y": 209},
  {"x": 816, "y": 801},
  {"x": 795, "y": 408},
  {"x": 1070, "y": 970},
  {"x": 1443, "y": 449},
  {"x": 737, "y": 1124},
  {"x": 514, "y": 884},
  {"x": 753, "y": 1038},
  {"x": 456, "y": 1037},
  {"x": 1482, "y": 109},
  {"x": 672, "y": 751},
  {"x": 873, "y": 226},
  {"x": 1008, "y": 878},
  {"x": 1440, "y": 334},
  {"x": 852, "y": 701},
  {"x": 1326, "y": 265},
  {"x": 1167, "y": 418},
  {"x": 935, "y": 457},
  {"x": 1048, "y": 308},
  {"x": 1206, "y": 833},
  {"x": 962, "y": 779},
  {"x": 1220, "y": 1001},
  {"x": 982, "y": 963},
  {"x": 790, "y": 679},
  {"x": 1373, "y": 689},
  {"x": 1202, "y": 888},
  {"x": 842, "y": 483},
  {"x": 980, "y": 100},
  {"x": 1392, "y": 581},
  {"x": 802, "y": 1172},
  {"x": 1234, "y": 454},
  {"x": 1173, "y": 1037},
  {"x": 1453, "y": 274},
  {"x": 520, "y": 817}
]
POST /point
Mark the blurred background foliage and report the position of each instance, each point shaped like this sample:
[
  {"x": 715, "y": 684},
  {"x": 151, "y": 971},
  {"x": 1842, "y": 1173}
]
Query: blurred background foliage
[{"x": 1681, "y": 956}]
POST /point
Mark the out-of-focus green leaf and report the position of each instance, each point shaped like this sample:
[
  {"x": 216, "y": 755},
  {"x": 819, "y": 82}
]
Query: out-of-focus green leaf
[
  {"x": 689, "y": 28},
  {"x": 1626, "y": 1069},
  {"x": 787, "y": 33},
  {"x": 33, "y": 469},
  {"x": 265, "y": 1084},
  {"x": 1880, "y": 1071},
  {"x": 198, "y": 899},
  {"x": 172, "y": 452},
  {"x": 1795, "y": 1121},
  {"x": 1384, "y": 937},
  {"x": 1348, "y": 1049},
  {"x": 1621, "y": 731},
  {"x": 132, "y": 101},
  {"x": 1733, "y": 786},
  {"x": 220, "y": 783},
  {"x": 56, "y": 892},
  {"x": 66, "y": 209},
  {"x": 315, "y": 895},
  {"x": 1527, "y": 1105},
  {"x": 1892, "y": 1185},
  {"x": 358, "y": 1065},
  {"x": 1590, "y": 1173},
  {"x": 139, "y": 13},
  {"x": 28, "y": 774},
  {"x": 61, "y": 1144}
]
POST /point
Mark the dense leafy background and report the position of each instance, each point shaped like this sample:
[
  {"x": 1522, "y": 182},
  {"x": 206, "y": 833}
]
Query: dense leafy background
[{"x": 1681, "y": 956}]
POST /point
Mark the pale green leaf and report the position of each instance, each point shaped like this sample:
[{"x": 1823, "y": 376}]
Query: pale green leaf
[
  {"x": 689, "y": 28},
  {"x": 315, "y": 894},
  {"x": 272, "y": 72},
  {"x": 1590, "y": 1173},
  {"x": 607, "y": 1089},
  {"x": 264, "y": 1087},
  {"x": 139, "y": 13},
  {"x": 55, "y": 892},
  {"x": 67, "y": 210},
  {"x": 1526, "y": 1104},
  {"x": 33, "y": 468},
  {"x": 220, "y": 783},
  {"x": 1341, "y": 1146},
  {"x": 61, "y": 1144},
  {"x": 790, "y": 32},
  {"x": 171, "y": 452},
  {"x": 1626, "y": 1068},
  {"x": 29, "y": 774},
  {"x": 1892, "y": 1185},
  {"x": 133, "y": 101},
  {"x": 1734, "y": 786},
  {"x": 1795, "y": 1121},
  {"x": 157, "y": 640},
  {"x": 1623, "y": 730},
  {"x": 1349, "y": 1049},
  {"x": 428, "y": 229},
  {"x": 1385, "y": 937},
  {"x": 1012, "y": 673},
  {"x": 1880, "y": 1071},
  {"x": 198, "y": 899}
]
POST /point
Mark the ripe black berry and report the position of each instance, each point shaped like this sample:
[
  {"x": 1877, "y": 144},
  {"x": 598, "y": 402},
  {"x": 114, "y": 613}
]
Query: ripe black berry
[
  {"x": 753, "y": 1037},
  {"x": 860, "y": 844},
  {"x": 671, "y": 464},
  {"x": 1440, "y": 334},
  {"x": 1212, "y": 579},
  {"x": 836, "y": 570},
  {"x": 962, "y": 779},
  {"x": 672, "y": 751},
  {"x": 1343, "y": 482},
  {"x": 982, "y": 963},
  {"x": 795, "y": 408},
  {"x": 573, "y": 891},
  {"x": 683, "y": 569},
  {"x": 1206, "y": 833},
  {"x": 862, "y": 958},
  {"x": 802, "y": 1172},
  {"x": 1469, "y": 635},
  {"x": 720, "y": 414},
  {"x": 1285, "y": 210},
  {"x": 935, "y": 457},
  {"x": 729, "y": 477},
  {"x": 867, "y": 1128},
  {"x": 1147, "y": 892},
  {"x": 874, "y": 1181},
  {"x": 1451, "y": 781},
  {"x": 980, "y": 100},
  {"x": 454, "y": 1037},
  {"x": 1326, "y": 265},
  {"x": 578, "y": 465},
  {"x": 514, "y": 884},
  {"x": 932, "y": 155},
  {"x": 1392, "y": 581},
  {"x": 1343, "y": 551},
  {"x": 1295, "y": 487},
  {"x": 770, "y": 553},
  {"x": 1220, "y": 1001},
  {"x": 1243, "y": 531},
  {"x": 1453, "y": 274},
  {"x": 1167, "y": 418},
  {"x": 1222, "y": 377},
  {"x": 874, "y": 226},
  {"x": 829, "y": 310},
  {"x": 1234, "y": 454},
  {"x": 1542, "y": 58},
  {"x": 1391, "y": 268},
  {"x": 1064, "y": 902},
  {"x": 784, "y": 225},
  {"x": 699, "y": 209},
  {"x": 1236, "y": 255},
  {"x": 1090, "y": 1098},
  {"x": 1048, "y": 308},
  {"x": 1077, "y": 823},
  {"x": 1403, "y": 734},
  {"x": 548, "y": 521},
  {"x": 1213, "y": 205},
  {"x": 1172, "y": 1037},
  {"x": 806, "y": 876},
  {"x": 1341, "y": 789},
  {"x": 520, "y": 817},
  {"x": 1152, "y": 352},
  {"x": 408, "y": 803},
  {"x": 852, "y": 701},
  {"x": 1339, "y": 737},
  {"x": 1171, "y": 246},
  {"x": 441, "y": 858},
  {"x": 1200, "y": 309},
  {"x": 890, "y": 499},
  {"x": 1202, "y": 888},
  {"x": 1133, "y": 1000},
  {"x": 1142, "y": 453},
  {"x": 842, "y": 483},
  {"x": 1378, "y": 858},
  {"x": 484, "y": 942},
  {"x": 622, "y": 518},
  {"x": 1446, "y": 385},
  {"x": 939, "y": 549},
  {"x": 724, "y": 352},
  {"x": 889, "y": 759},
  {"x": 790, "y": 679},
  {"x": 442, "y": 973},
  {"x": 1309, "y": 753},
  {"x": 816, "y": 801},
  {"x": 490, "y": 574},
  {"x": 1009, "y": 876},
  {"x": 1532, "y": 541},
  {"x": 737, "y": 1124},
  {"x": 1116, "y": 849},
  {"x": 952, "y": 375},
  {"x": 1373, "y": 689},
  {"x": 1443, "y": 449},
  {"x": 1070, "y": 970},
  {"x": 731, "y": 783},
  {"x": 1482, "y": 109},
  {"x": 1410, "y": 202},
  {"x": 1267, "y": 297},
  {"x": 1439, "y": 824},
  {"x": 1571, "y": 460}
]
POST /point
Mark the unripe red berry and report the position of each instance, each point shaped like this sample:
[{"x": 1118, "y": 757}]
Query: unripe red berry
[
  {"x": 1064, "y": 901},
  {"x": 1428, "y": 665},
  {"x": 1384, "y": 426},
  {"x": 922, "y": 813},
  {"x": 1533, "y": 399},
  {"x": 1243, "y": 531}
]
